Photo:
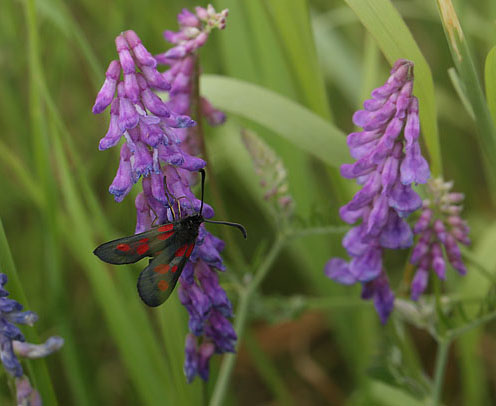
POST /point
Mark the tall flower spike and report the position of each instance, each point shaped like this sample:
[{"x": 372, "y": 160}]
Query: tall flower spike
[
  {"x": 388, "y": 162},
  {"x": 12, "y": 344},
  {"x": 199, "y": 290},
  {"x": 439, "y": 228},
  {"x": 161, "y": 141}
]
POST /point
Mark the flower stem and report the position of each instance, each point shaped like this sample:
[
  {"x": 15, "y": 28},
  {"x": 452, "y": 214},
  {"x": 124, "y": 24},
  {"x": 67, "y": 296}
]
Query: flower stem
[
  {"x": 197, "y": 115},
  {"x": 440, "y": 368},
  {"x": 229, "y": 360}
]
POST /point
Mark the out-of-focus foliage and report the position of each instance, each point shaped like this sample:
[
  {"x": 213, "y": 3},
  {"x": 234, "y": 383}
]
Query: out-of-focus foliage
[{"x": 308, "y": 340}]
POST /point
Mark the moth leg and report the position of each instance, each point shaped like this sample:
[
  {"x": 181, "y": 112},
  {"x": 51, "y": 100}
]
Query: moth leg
[
  {"x": 170, "y": 197},
  {"x": 155, "y": 218}
]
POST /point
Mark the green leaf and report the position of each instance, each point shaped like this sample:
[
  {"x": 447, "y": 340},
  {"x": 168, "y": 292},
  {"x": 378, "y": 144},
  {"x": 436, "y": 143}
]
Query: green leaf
[
  {"x": 290, "y": 120},
  {"x": 465, "y": 65},
  {"x": 296, "y": 37},
  {"x": 490, "y": 76},
  {"x": 395, "y": 40}
]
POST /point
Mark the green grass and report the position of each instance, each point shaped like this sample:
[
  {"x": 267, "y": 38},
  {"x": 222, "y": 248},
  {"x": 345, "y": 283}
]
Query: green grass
[{"x": 294, "y": 72}]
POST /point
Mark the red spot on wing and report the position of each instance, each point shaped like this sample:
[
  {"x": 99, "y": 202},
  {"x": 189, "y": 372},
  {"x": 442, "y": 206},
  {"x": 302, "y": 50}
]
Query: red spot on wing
[
  {"x": 142, "y": 249},
  {"x": 162, "y": 268},
  {"x": 165, "y": 227},
  {"x": 180, "y": 252},
  {"x": 163, "y": 285},
  {"x": 144, "y": 240},
  {"x": 174, "y": 269},
  {"x": 164, "y": 236},
  {"x": 123, "y": 247},
  {"x": 189, "y": 250}
]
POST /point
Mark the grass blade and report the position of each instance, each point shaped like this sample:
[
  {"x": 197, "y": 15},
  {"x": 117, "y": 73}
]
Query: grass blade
[
  {"x": 393, "y": 37},
  {"x": 291, "y": 121}
]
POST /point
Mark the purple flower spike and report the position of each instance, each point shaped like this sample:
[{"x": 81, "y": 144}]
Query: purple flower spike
[
  {"x": 388, "y": 162},
  {"x": 438, "y": 227},
  {"x": 13, "y": 345},
  {"x": 160, "y": 145}
]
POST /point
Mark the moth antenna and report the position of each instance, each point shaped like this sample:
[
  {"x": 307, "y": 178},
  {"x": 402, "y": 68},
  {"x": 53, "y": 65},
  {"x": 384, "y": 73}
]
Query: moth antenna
[
  {"x": 202, "y": 171},
  {"x": 227, "y": 223}
]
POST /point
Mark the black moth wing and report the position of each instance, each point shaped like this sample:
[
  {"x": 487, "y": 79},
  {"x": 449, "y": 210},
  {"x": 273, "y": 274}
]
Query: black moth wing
[
  {"x": 157, "y": 281},
  {"x": 130, "y": 249}
]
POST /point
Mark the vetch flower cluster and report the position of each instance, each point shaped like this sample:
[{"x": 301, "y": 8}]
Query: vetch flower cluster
[
  {"x": 12, "y": 344},
  {"x": 388, "y": 162},
  {"x": 184, "y": 72},
  {"x": 199, "y": 290},
  {"x": 147, "y": 125},
  {"x": 438, "y": 226},
  {"x": 158, "y": 146}
]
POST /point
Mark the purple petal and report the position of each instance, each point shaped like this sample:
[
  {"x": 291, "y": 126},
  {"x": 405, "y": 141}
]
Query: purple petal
[
  {"x": 143, "y": 160},
  {"x": 106, "y": 93},
  {"x": 353, "y": 241},
  {"x": 338, "y": 270},
  {"x": 419, "y": 283},
  {"x": 187, "y": 19},
  {"x": 381, "y": 293},
  {"x": 124, "y": 180},
  {"x": 367, "y": 266},
  {"x": 378, "y": 216},
  {"x": 125, "y": 57},
  {"x": 414, "y": 167},
  {"x": 140, "y": 52},
  {"x": 191, "y": 358},
  {"x": 397, "y": 234},
  {"x": 412, "y": 126},
  {"x": 404, "y": 199},
  {"x": 365, "y": 195}
]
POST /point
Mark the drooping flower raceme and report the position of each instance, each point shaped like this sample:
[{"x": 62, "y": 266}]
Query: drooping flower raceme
[
  {"x": 438, "y": 226},
  {"x": 158, "y": 144},
  {"x": 388, "y": 162},
  {"x": 12, "y": 344}
]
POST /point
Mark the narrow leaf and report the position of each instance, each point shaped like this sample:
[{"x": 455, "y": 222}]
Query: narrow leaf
[
  {"x": 290, "y": 120},
  {"x": 490, "y": 75}
]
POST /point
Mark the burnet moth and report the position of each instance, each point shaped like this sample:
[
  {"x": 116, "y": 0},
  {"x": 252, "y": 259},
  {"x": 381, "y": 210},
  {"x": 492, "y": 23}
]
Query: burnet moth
[{"x": 170, "y": 245}]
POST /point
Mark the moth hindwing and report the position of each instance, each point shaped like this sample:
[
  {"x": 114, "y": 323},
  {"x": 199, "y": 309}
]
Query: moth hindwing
[{"x": 170, "y": 244}]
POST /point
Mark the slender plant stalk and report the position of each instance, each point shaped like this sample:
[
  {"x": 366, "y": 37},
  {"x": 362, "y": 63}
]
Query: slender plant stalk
[
  {"x": 439, "y": 371},
  {"x": 246, "y": 295},
  {"x": 197, "y": 115}
]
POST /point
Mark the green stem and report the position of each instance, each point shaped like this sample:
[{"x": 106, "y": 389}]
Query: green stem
[
  {"x": 439, "y": 371},
  {"x": 318, "y": 231},
  {"x": 197, "y": 114},
  {"x": 229, "y": 360},
  {"x": 455, "y": 333}
]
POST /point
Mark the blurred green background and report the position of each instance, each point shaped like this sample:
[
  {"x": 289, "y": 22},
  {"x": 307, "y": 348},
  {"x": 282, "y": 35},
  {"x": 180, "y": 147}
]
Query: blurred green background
[{"x": 308, "y": 341}]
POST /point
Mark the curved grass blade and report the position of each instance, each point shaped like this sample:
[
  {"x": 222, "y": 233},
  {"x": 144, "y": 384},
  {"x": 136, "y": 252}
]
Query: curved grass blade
[{"x": 290, "y": 120}]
